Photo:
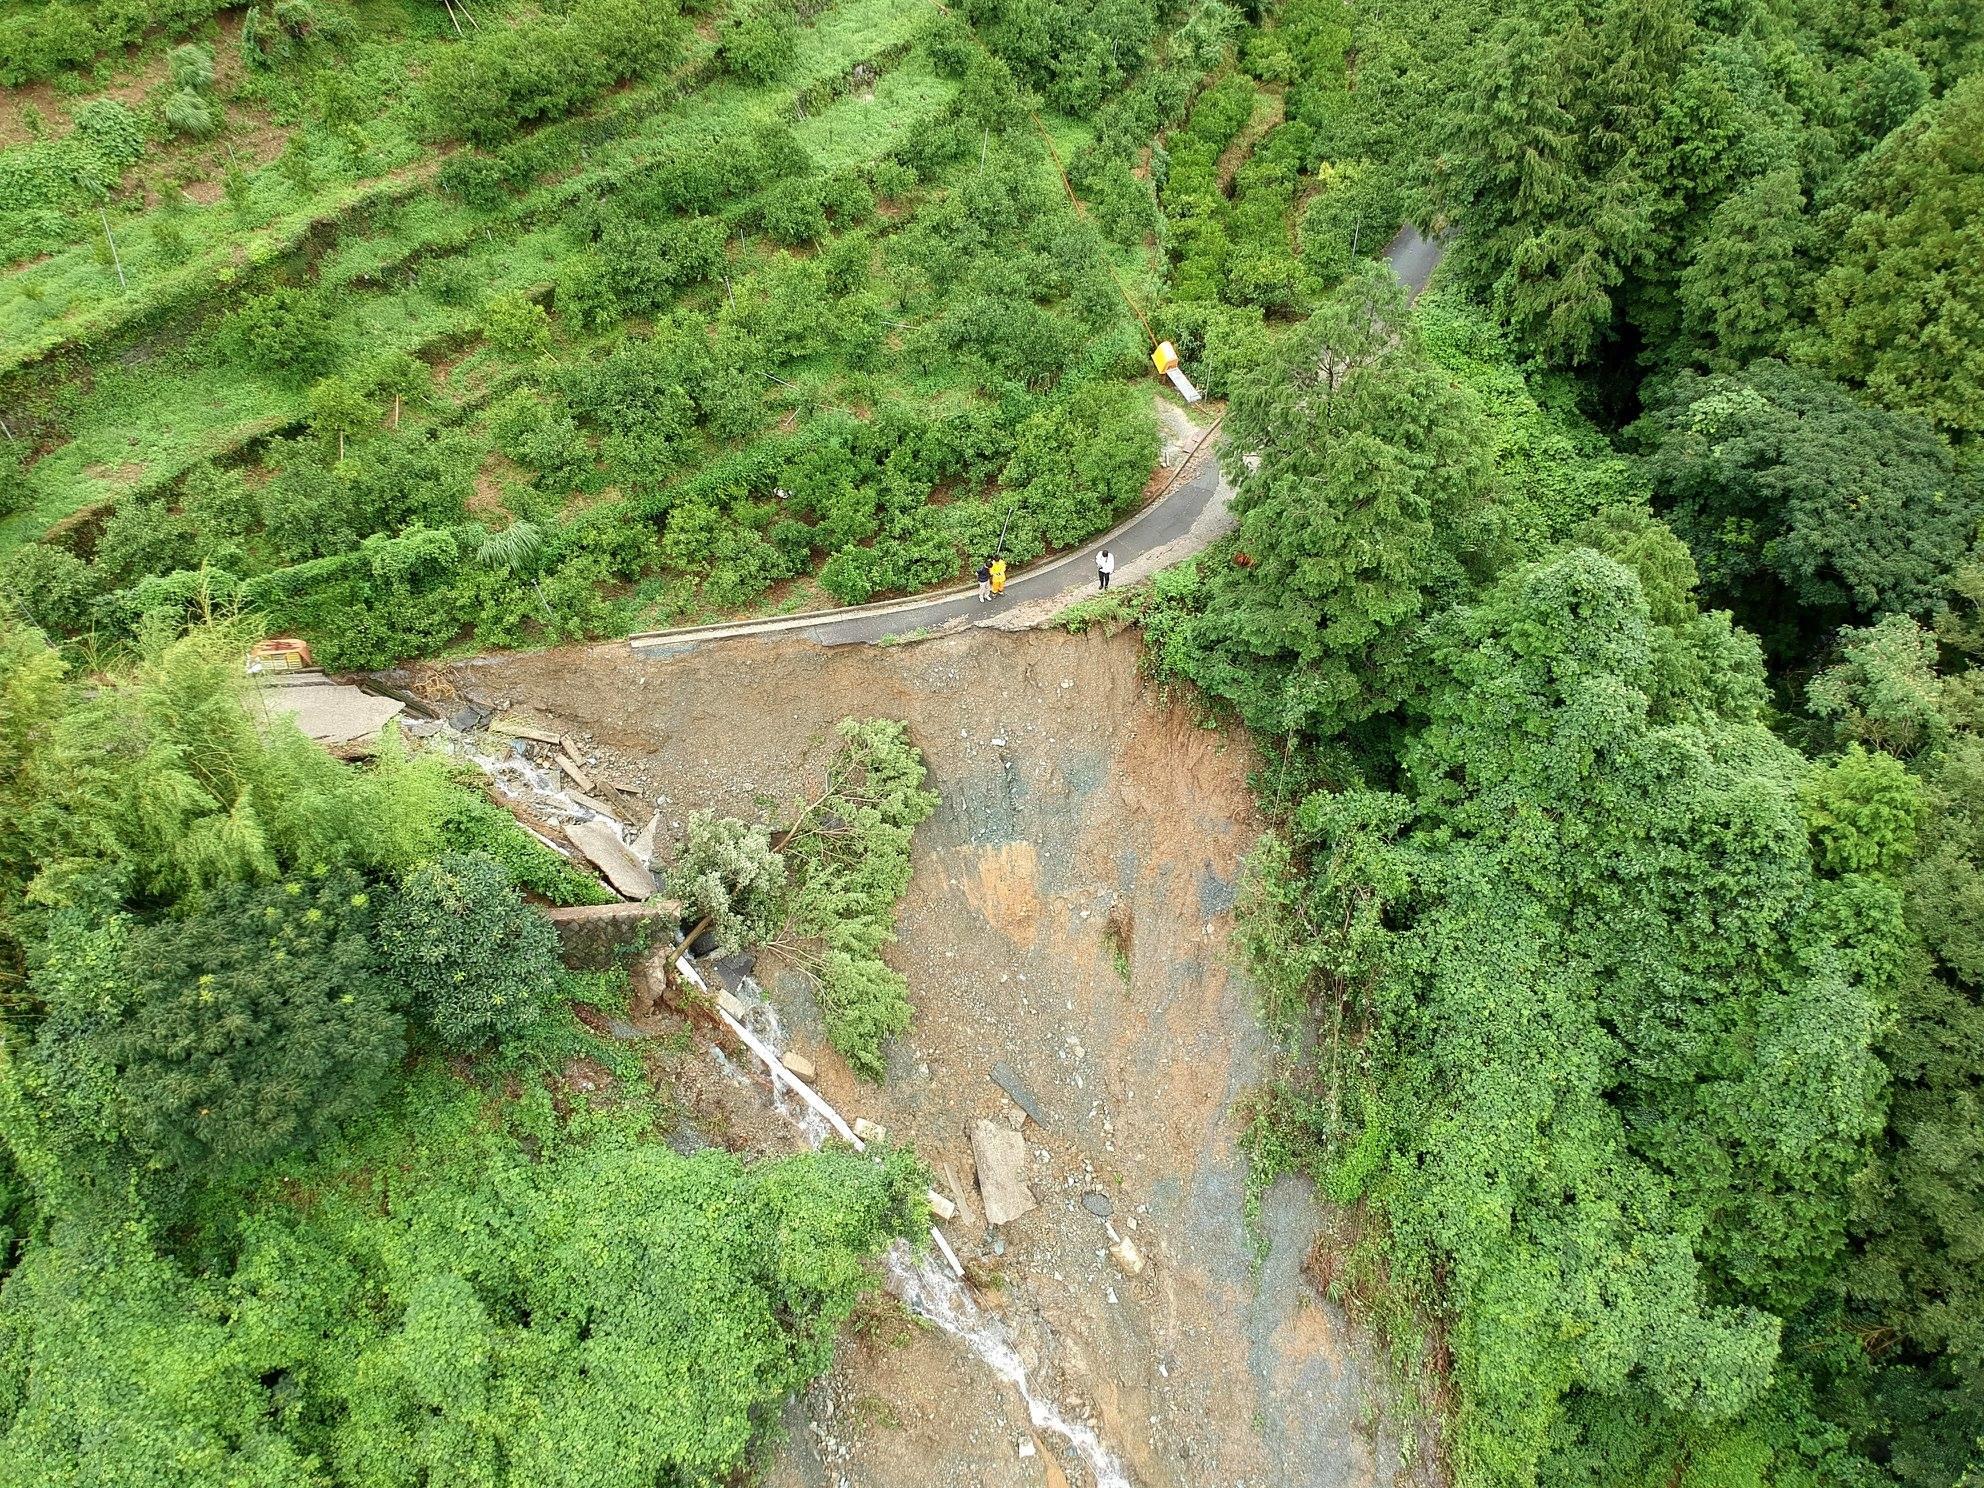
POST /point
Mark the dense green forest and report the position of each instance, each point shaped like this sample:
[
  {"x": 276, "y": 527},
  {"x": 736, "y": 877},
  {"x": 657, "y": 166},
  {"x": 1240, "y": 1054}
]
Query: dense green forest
[{"x": 1607, "y": 619}]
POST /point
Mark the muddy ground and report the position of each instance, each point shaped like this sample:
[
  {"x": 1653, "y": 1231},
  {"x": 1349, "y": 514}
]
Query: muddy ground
[{"x": 1069, "y": 916}]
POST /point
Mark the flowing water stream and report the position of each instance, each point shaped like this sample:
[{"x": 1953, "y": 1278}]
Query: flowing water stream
[{"x": 925, "y": 1284}]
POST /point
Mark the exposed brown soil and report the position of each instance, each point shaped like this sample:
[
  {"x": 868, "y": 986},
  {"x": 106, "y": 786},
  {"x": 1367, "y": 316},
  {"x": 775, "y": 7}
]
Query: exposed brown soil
[{"x": 1086, "y": 819}]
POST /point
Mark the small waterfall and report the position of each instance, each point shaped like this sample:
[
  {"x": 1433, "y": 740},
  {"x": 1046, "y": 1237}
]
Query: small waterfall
[
  {"x": 933, "y": 1293},
  {"x": 763, "y": 1020},
  {"x": 925, "y": 1286}
]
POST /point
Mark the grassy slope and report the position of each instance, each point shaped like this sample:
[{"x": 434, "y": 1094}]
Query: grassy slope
[{"x": 137, "y": 427}]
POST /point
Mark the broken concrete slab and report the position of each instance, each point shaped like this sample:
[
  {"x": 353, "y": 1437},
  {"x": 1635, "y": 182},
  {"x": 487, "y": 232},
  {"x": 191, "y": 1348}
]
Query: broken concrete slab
[
  {"x": 1006, "y": 1080},
  {"x": 870, "y": 1131},
  {"x": 800, "y": 1065},
  {"x": 601, "y": 844},
  {"x": 940, "y": 1206},
  {"x": 1000, "y": 1153},
  {"x": 329, "y": 712},
  {"x": 643, "y": 847}
]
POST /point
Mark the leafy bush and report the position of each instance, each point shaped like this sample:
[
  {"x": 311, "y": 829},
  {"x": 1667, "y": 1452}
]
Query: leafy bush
[
  {"x": 474, "y": 961},
  {"x": 486, "y": 88},
  {"x": 516, "y": 325},
  {"x": 728, "y": 874},
  {"x": 50, "y": 587},
  {"x": 480, "y": 181},
  {"x": 254, "y": 1026},
  {"x": 540, "y": 435},
  {"x": 759, "y": 40},
  {"x": 794, "y": 212},
  {"x": 284, "y": 331}
]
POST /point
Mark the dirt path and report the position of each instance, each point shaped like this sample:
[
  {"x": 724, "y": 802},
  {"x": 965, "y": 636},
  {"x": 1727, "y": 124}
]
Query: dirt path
[{"x": 1081, "y": 811}]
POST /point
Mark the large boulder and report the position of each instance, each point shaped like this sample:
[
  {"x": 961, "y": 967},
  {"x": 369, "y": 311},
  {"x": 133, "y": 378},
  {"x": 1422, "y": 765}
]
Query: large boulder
[{"x": 1000, "y": 1153}]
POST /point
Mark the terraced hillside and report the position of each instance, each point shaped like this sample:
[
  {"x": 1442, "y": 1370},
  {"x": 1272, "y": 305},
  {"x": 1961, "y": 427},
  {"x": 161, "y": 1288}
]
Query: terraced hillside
[
  {"x": 784, "y": 300},
  {"x": 414, "y": 327}
]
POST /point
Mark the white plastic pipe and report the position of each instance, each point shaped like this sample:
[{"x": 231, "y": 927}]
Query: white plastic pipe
[
  {"x": 780, "y": 1074},
  {"x": 1184, "y": 385}
]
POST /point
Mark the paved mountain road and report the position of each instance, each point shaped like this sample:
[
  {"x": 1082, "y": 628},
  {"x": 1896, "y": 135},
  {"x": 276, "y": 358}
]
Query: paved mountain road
[{"x": 1186, "y": 518}]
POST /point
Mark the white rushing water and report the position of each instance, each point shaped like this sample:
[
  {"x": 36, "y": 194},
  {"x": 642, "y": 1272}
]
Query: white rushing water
[
  {"x": 932, "y": 1292},
  {"x": 925, "y": 1285}
]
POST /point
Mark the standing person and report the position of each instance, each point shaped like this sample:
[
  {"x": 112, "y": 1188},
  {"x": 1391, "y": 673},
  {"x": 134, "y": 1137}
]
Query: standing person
[
  {"x": 998, "y": 573},
  {"x": 984, "y": 584},
  {"x": 1105, "y": 565}
]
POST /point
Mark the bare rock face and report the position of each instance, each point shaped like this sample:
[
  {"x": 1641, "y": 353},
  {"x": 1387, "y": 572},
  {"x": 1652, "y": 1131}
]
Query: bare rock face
[{"x": 1000, "y": 1153}]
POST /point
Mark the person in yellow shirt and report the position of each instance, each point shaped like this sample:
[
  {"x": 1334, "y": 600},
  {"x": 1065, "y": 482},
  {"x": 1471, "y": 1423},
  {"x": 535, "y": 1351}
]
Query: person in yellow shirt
[{"x": 998, "y": 576}]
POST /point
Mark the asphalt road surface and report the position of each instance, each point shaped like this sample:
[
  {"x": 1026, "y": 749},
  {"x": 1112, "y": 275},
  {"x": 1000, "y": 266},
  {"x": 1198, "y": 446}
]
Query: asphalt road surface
[{"x": 1412, "y": 257}]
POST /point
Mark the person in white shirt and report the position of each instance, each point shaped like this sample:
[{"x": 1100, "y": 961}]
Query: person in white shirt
[{"x": 1105, "y": 565}]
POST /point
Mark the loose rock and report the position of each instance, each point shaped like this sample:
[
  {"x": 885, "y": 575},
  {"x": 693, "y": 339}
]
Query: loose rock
[{"x": 1000, "y": 1153}]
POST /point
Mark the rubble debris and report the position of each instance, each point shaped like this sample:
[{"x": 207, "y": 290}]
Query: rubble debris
[
  {"x": 732, "y": 1004},
  {"x": 1000, "y": 1153},
  {"x": 870, "y": 1131},
  {"x": 1126, "y": 1255},
  {"x": 804, "y": 1068},
  {"x": 1006, "y": 1080},
  {"x": 600, "y": 842},
  {"x": 940, "y": 1206},
  {"x": 520, "y": 730}
]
